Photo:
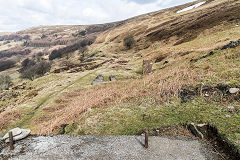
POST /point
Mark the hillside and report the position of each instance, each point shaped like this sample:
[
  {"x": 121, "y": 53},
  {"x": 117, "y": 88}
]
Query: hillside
[{"x": 193, "y": 71}]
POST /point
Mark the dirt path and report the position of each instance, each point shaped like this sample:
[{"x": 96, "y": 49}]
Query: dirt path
[{"x": 107, "y": 147}]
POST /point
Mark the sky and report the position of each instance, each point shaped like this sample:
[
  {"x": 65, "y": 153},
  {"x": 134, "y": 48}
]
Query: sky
[{"x": 16, "y": 15}]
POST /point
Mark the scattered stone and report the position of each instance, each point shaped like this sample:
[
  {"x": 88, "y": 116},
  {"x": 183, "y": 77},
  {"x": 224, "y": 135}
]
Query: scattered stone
[
  {"x": 160, "y": 58},
  {"x": 228, "y": 116},
  {"x": 147, "y": 66},
  {"x": 195, "y": 131},
  {"x": 232, "y": 44},
  {"x": 112, "y": 78},
  {"x": 92, "y": 55},
  {"x": 22, "y": 86},
  {"x": 205, "y": 56},
  {"x": 231, "y": 109},
  {"x": 206, "y": 95},
  {"x": 98, "y": 79},
  {"x": 186, "y": 95},
  {"x": 166, "y": 62},
  {"x": 234, "y": 90}
]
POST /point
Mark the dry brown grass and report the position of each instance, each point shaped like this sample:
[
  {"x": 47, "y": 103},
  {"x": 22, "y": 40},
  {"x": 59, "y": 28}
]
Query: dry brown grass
[
  {"x": 7, "y": 117},
  {"x": 161, "y": 86}
]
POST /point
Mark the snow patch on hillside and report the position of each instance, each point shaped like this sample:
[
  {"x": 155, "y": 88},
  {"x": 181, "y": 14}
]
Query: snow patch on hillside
[{"x": 191, "y": 7}]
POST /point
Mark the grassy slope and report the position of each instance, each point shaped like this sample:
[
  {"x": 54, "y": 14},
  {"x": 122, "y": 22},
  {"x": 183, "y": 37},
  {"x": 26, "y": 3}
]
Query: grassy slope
[
  {"x": 117, "y": 108},
  {"x": 222, "y": 67}
]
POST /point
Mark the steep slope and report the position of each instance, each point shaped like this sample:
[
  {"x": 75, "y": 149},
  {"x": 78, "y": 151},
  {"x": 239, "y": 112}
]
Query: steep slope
[{"x": 190, "y": 82}]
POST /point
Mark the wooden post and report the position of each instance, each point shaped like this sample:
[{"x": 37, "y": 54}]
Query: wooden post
[
  {"x": 146, "y": 139},
  {"x": 147, "y": 67},
  {"x": 11, "y": 140}
]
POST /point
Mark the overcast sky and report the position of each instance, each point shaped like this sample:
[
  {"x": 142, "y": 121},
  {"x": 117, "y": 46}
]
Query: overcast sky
[{"x": 17, "y": 15}]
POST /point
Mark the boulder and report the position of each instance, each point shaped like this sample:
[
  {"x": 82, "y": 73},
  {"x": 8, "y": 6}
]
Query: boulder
[
  {"x": 228, "y": 116},
  {"x": 234, "y": 90},
  {"x": 17, "y": 135},
  {"x": 98, "y": 79},
  {"x": 15, "y": 132},
  {"x": 112, "y": 78}
]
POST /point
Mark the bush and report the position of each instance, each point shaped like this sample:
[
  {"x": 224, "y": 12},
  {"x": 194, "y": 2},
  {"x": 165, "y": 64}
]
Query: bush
[
  {"x": 27, "y": 62},
  {"x": 129, "y": 42},
  {"x": 81, "y": 45},
  {"x": 6, "y": 64},
  {"x": 55, "y": 54},
  {"x": 42, "y": 68},
  {"x": 8, "y": 54},
  {"x": 34, "y": 70},
  {"x": 5, "y": 82}
]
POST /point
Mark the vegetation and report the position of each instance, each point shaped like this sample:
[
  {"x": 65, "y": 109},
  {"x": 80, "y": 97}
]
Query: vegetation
[
  {"x": 6, "y": 64},
  {"x": 129, "y": 42},
  {"x": 8, "y": 54},
  {"x": 31, "y": 70},
  {"x": 81, "y": 45},
  {"x": 5, "y": 82},
  {"x": 187, "y": 60}
]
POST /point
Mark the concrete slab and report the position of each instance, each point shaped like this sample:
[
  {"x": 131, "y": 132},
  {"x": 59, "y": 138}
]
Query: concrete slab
[{"x": 107, "y": 148}]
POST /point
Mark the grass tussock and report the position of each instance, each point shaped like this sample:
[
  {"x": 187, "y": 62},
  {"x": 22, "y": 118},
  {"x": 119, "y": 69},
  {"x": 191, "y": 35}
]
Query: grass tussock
[{"x": 6, "y": 118}]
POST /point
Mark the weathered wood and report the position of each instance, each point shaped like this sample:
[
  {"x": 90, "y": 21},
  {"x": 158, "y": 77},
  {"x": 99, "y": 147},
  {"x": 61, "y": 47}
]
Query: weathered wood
[
  {"x": 146, "y": 139},
  {"x": 147, "y": 67},
  {"x": 11, "y": 140}
]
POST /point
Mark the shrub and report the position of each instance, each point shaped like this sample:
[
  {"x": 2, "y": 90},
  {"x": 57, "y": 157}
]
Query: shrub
[
  {"x": 27, "y": 62},
  {"x": 42, "y": 68},
  {"x": 6, "y": 64},
  {"x": 34, "y": 70},
  {"x": 129, "y": 42},
  {"x": 81, "y": 45},
  {"x": 55, "y": 54},
  {"x": 9, "y": 54},
  {"x": 5, "y": 82}
]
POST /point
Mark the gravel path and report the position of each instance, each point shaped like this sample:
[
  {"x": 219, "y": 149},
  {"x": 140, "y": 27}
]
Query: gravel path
[{"x": 106, "y": 147}]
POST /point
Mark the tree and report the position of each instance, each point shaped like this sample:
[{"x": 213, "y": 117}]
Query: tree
[
  {"x": 6, "y": 64},
  {"x": 55, "y": 54},
  {"x": 129, "y": 42},
  {"x": 31, "y": 70}
]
